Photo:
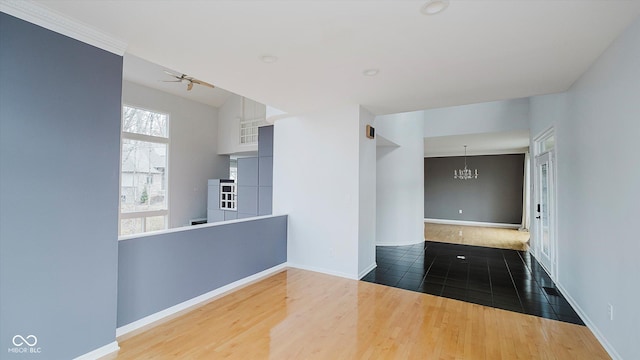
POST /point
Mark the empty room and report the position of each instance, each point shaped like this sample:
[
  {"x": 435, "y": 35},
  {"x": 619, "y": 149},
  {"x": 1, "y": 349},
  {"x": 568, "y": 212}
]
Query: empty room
[{"x": 434, "y": 179}]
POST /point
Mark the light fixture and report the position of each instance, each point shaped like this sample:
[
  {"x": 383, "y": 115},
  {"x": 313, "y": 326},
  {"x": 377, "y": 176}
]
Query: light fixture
[
  {"x": 433, "y": 7},
  {"x": 370, "y": 72},
  {"x": 465, "y": 174},
  {"x": 269, "y": 59}
]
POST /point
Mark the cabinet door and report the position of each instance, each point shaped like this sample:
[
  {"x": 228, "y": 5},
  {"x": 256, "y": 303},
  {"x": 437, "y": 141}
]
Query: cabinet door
[
  {"x": 215, "y": 215},
  {"x": 230, "y": 215},
  {"x": 265, "y": 195},
  {"x": 248, "y": 171},
  {"x": 248, "y": 200}
]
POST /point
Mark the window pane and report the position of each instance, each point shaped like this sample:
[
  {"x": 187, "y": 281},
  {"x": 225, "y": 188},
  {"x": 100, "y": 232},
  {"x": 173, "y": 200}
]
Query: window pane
[
  {"x": 131, "y": 226},
  {"x": 155, "y": 223},
  {"x": 144, "y": 122},
  {"x": 548, "y": 144},
  {"x": 144, "y": 178}
]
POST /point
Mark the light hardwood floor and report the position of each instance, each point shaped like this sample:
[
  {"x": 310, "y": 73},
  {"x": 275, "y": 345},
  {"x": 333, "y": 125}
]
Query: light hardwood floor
[
  {"x": 478, "y": 236},
  {"x": 298, "y": 314}
]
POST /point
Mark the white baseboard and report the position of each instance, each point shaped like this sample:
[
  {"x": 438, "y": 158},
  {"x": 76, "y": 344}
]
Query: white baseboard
[
  {"x": 323, "y": 271},
  {"x": 152, "y": 320},
  {"x": 366, "y": 271},
  {"x": 472, "y": 223},
  {"x": 108, "y": 351},
  {"x": 400, "y": 243},
  {"x": 594, "y": 329}
]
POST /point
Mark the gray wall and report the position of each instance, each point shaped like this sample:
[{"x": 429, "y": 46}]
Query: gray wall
[
  {"x": 597, "y": 128},
  {"x": 59, "y": 159},
  {"x": 495, "y": 196},
  {"x": 159, "y": 271}
]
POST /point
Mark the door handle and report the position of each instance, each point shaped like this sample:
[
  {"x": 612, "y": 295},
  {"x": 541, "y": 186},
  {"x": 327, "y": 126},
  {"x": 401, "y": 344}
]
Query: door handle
[{"x": 537, "y": 217}]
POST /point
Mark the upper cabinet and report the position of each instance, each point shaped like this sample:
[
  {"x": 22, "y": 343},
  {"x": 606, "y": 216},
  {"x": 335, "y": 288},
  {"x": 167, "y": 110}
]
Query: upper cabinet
[{"x": 238, "y": 122}]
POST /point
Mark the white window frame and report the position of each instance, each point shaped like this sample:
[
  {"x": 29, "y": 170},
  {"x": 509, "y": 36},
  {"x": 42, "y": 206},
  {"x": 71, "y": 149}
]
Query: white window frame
[{"x": 152, "y": 139}]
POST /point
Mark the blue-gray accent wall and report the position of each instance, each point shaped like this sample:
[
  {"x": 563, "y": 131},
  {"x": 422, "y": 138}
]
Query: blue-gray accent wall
[
  {"x": 60, "y": 106},
  {"x": 159, "y": 271},
  {"x": 495, "y": 196}
]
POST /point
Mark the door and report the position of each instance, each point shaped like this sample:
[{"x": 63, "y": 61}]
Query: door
[{"x": 545, "y": 212}]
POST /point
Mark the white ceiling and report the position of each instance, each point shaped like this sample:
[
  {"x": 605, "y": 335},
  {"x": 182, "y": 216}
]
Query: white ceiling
[
  {"x": 473, "y": 52},
  {"x": 514, "y": 142},
  {"x": 152, "y": 75}
]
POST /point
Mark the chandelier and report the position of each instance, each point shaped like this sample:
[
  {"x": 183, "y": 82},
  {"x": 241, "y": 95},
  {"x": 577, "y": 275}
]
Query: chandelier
[{"x": 465, "y": 174}]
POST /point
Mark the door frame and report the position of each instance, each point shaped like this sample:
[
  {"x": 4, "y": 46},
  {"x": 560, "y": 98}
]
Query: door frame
[{"x": 540, "y": 151}]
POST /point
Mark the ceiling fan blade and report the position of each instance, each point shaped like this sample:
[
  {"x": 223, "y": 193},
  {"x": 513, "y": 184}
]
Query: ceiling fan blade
[
  {"x": 200, "y": 82},
  {"x": 182, "y": 77}
]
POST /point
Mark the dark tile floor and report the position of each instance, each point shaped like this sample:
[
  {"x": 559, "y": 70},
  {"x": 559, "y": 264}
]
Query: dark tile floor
[{"x": 505, "y": 279}]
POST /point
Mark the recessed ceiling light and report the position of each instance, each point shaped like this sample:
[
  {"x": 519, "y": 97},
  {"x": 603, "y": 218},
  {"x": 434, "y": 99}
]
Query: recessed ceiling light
[
  {"x": 269, "y": 59},
  {"x": 371, "y": 72},
  {"x": 433, "y": 7}
]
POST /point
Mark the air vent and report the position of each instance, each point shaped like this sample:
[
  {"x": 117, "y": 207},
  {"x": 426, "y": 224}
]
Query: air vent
[{"x": 551, "y": 291}]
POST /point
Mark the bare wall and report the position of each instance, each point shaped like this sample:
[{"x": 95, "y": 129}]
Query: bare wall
[
  {"x": 597, "y": 129},
  {"x": 495, "y": 196}
]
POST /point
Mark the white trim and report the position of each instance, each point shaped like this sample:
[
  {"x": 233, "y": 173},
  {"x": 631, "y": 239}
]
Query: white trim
[
  {"x": 145, "y": 138},
  {"x": 400, "y": 243},
  {"x": 193, "y": 227},
  {"x": 366, "y": 271},
  {"x": 138, "y": 214},
  {"x": 108, "y": 351},
  {"x": 323, "y": 271},
  {"x": 536, "y": 241},
  {"x": 472, "y": 223},
  {"x": 543, "y": 135},
  {"x": 62, "y": 24},
  {"x": 594, "y": 329},
  {"x": 518, "y": 150},
  {"x": 138, "y": 326}
]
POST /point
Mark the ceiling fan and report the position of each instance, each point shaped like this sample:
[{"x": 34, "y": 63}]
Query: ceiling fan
[{"x": 190, "y": 80}]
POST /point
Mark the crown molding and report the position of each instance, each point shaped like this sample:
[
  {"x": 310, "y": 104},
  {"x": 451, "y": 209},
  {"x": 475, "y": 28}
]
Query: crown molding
[{"x": 62, "y": 24}]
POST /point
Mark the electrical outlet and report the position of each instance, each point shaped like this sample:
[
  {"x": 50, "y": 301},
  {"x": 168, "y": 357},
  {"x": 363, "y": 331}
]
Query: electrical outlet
[
  {"x": 610, "y": 309},
  {"x": 460, "y": 211}
]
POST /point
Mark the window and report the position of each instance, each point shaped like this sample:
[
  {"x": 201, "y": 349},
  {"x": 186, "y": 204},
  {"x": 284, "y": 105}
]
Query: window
[
  {"x": 545, "y": 142},
  {"x": 143, "y": 171}
]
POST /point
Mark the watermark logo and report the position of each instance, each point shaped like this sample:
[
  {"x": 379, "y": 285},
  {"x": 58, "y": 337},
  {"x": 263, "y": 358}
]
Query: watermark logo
[
  {"x": 19, "y": 340},
  {"x": 24, "y": 344}
]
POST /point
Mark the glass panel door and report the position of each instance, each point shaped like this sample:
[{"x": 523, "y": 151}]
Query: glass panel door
[
  {"x": 544, "y": 207},
  {"x": 544, "y": 215}
]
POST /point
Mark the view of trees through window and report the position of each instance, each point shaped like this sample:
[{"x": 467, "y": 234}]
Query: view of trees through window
[{"x": 144, "y": 165}]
